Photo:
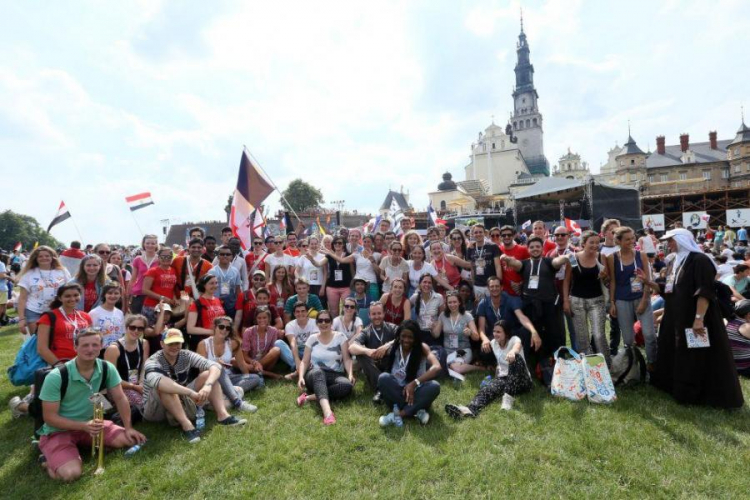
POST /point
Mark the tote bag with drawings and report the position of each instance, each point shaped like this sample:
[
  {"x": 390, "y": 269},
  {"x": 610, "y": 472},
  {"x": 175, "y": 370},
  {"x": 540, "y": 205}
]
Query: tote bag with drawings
[
  {"x": 599, "y": 386},
  {"x": 568, "y": 378}
]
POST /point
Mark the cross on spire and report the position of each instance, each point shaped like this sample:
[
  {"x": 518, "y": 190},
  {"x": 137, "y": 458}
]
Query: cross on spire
[{"x": 521, "y": 19}]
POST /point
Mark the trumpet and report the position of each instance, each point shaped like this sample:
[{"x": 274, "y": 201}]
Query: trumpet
[{"x": 98, "y": 441}]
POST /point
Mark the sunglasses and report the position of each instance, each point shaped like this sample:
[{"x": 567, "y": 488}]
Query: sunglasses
[
  {"x": 279, "y": 242},
  {"x": 257, "y": 242},
  {"x": 494, "y": 236},
  {"x": 104, "y": 252},
  {"x": 397, "y": 249},
  {"x": 224, "y": 254},
  {"x": 349, "y": 306},
  {"x": 456, "y": 238},
  {"x": 137, "y": 328},
  {"x": 303, "y": 246},
  {"x": 561, "y": 235},
  {"x": 507, "y": 235},
  {"x": 324, "y": 320},
  {"x": 223, "y": 327},
  {"x": 338, "y": 242},
  {"x": 259, "y": 278},
  {"x": 165, "y": 257}
]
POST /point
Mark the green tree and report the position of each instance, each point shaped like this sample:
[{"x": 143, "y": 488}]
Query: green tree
[
  {"x": 301, "y": 196},
  {"x": 18, "y": 227}
]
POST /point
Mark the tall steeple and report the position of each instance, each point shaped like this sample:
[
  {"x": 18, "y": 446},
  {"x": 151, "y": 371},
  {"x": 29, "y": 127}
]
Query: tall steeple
[{"x": 527, "y": 120}]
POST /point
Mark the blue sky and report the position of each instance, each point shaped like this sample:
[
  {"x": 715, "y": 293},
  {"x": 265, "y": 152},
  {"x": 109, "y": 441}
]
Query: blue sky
[{"x": 105, "y": 99}]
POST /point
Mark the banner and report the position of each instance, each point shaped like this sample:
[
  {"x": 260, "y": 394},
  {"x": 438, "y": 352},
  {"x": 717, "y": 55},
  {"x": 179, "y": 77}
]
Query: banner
[
  {"x": 694, "y": 220},
  {"x": 738, "y": 217},
  {"x": 654, "y": 221}
]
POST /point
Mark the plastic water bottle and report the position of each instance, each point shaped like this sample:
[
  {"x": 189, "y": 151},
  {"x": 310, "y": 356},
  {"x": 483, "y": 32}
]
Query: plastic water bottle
[
  {"x": 486, "y": 381},
  {"x": 200, "y": 418},
  {"x": 397, "y": 420},
  {"x": 133, "y": 449}
]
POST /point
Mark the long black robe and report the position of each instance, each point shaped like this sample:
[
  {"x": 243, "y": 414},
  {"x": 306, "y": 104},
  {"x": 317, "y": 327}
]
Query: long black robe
[{"x": 704, "y": 376}]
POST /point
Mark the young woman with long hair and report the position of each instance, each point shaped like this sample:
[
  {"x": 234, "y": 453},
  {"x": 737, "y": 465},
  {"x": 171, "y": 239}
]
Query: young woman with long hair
[
  {"x": 39, "y": 281},
  {"x": 396, "y": 305},
  {"x": 141, "y": 264}
]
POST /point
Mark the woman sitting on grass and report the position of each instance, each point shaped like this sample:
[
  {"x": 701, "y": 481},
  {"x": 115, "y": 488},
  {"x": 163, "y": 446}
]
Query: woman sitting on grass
[
  {"x": 330, "y": 376},
  {"x": 408, "y": 386},
  {"x": 512, "y": 377}
]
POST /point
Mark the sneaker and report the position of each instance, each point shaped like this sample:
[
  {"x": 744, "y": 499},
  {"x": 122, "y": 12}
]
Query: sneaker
[
  {"x": 507, "y": 402},
  {"x": 458, "y": 411},
  {"x": 14, "y": 403},
  {"x": 391, "y": 419},
  {"x": 302, "y": 399},
  {"x": 193, "y": 436},
  {"x": 246, "y": 407},
  {"x": 423, "y": 416},
  {"x": 330, "y": 419},
  {"x": 232, "y": 421},
  {"x": 377, "y": 398}
]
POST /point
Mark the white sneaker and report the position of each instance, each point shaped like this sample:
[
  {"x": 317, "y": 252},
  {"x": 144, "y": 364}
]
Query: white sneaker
[
  {"x": 423, "y": 416},
  {"x": 507, "y": 402},
  {"x": 14, "y": 403},
  {"x": 247, "y": 407},
  {"x": 391, "y": 419}
]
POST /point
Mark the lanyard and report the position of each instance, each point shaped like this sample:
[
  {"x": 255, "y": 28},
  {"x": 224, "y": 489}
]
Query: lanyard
[
  {"x": 479, "y": 254},
  {"x": 375, "y": 332},
  {"x": 74, "y": 322},
  {"x": 257, "y": 341},
  {"x": 222, "y": 274},
  {"x": 454, "y": 324},
  {"x": 635, "y": 261},
  {"x": 127, "y": 360},
  {"x": 496, "y": 311},
  {"x": 148, "y": 262},
  {"x": 403, "y": 362}
]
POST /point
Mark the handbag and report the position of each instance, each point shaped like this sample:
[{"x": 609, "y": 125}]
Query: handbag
[
  {"x": 599, "y": 386},
  {"x": 568, "y": 377}
]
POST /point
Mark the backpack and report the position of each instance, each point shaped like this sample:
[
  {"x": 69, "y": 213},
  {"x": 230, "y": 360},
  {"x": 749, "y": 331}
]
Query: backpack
[
  {"x": 628, "y": 367},
  {"x": 28, "y": 360},
  {"x": 35, "y": 407}
]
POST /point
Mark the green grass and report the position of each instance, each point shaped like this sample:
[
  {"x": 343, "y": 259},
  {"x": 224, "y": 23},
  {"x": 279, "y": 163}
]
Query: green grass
[{"x": 644, "y": 445}]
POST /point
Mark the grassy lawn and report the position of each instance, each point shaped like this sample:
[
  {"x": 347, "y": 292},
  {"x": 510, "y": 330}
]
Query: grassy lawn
[{"x": 644, "y": 445}]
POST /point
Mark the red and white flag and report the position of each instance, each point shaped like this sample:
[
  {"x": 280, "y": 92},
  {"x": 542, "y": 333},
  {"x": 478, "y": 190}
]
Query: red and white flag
[
  {"x": 252, "y": 188},
  {"x": 62, "y": 214},
  {"x": 138, "y": 201},
  {"x": 572, "y": 226},
  {"x": 18, "y": 247}
]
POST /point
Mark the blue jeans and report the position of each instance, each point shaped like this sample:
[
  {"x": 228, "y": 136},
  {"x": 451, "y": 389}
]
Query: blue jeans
[
  {"x": 286, "y": 353},
  {"x": 393, "y": 394},
  {"x": 626, "y": 317}
]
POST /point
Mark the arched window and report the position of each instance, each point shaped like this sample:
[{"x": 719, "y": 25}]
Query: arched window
[
  {"x": 442, "y": 205},
  {"x": 528, "y": 123},
  {"x": 535, "y": 122},
  {"x": 515, "y": 125}
]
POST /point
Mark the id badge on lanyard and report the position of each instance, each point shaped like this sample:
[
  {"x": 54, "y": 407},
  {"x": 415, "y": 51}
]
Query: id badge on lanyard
[
  {"x": 453, "y": 341},
  {"x": 533, "y": 282},
  {"x": 314, "y": 275},
  {"x": 133, "y": 376},
  {"x": 338, "y": 275},
  {"x": 635, "y": 285},
  {"x": 224, "y": 289}
]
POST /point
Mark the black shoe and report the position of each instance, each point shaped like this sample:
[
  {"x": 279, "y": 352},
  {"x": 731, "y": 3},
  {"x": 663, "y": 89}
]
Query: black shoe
[{"x": 377, "y": 399}]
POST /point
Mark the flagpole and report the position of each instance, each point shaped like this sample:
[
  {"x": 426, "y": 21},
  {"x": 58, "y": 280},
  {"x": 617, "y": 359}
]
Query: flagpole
[
  {"x": 274, "y": 184},
  {"x": 77, "y": 230},
  {"x": 136, "y": 222}
]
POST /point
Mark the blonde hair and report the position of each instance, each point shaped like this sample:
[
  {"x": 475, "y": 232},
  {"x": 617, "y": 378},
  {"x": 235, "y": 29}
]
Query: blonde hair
[{"x": 32, "y": 262}]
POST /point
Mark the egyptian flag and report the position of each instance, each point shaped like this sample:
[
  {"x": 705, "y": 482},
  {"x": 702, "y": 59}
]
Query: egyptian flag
[
  {"x": 62, "y": 214},
  {"x": 432, "y": 215},
  {"x": 252, "y": 188},
  {"x": 138, "y": 201}
]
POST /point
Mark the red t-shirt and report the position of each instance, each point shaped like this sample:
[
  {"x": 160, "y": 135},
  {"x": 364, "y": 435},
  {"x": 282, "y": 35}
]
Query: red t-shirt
[
  {"x": 251, "y": 259},
  {"x": 89, "y": 295},
  {"x": 165, "y": 281},
  {"x": 63, "y": 335},
  {"x": 73, "y": 253},
  {"x": 211, "y": 309},
  {"x": 294, "y": 252},
  {"x": 549, "y": 245},
  {"x": 520, "y": 253}
]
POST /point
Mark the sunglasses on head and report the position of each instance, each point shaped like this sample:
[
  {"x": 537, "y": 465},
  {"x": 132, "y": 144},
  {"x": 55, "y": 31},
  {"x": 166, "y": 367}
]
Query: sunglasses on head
[
  {"x": 137, "y": 328},
  {"x": 223, "y": 327}
]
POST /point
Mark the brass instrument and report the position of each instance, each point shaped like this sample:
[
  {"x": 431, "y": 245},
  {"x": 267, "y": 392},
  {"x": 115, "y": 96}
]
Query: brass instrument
[{"x": 98, "y": 440}]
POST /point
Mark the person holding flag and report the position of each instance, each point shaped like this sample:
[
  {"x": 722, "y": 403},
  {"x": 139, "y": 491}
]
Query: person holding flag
[{"x": 252, "y": 188}]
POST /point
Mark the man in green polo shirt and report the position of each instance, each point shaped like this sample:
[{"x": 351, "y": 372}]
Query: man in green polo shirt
[
  {"x": 302, "y": 287},
  {"x": 69, "y": 423}
]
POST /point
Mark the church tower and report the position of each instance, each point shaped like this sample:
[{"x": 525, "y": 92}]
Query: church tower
[{"x": 527, "y": 120}]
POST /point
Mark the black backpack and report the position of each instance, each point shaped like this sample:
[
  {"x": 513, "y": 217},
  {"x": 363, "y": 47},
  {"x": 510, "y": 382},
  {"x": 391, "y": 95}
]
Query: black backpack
[{"x": 35, "y": 407}]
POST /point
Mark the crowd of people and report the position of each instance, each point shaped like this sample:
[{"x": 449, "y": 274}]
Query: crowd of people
[{"x": 171, "y": 331}]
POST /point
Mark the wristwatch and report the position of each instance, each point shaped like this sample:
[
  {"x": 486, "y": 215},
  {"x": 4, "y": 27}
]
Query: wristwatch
[
  {"x": 698, "y": 316},
  {"x": 416, "y": 381}
]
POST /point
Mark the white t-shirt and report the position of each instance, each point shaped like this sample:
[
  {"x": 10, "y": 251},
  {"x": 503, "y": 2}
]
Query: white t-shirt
[
  {"x": 724, "y": 270},
  {"x": 112, "y": 324},
  {"x": 338, "y": 326},
  {"x": 299, "y": 332},
  {"x": 365, "y": 270},
  {"x": 414, "y": 274},
  {"x": 42, "y": 286},
  {"x": 273, "y": 261},
  {"x": 502, "y": 363},
  {"x": 309, "y": 270},
  {"x": 328, "y": 355},
  {"x": 647, "y": 244},
  {"x": 607, "y": 251},
  {"x": 392, "y": 272}
]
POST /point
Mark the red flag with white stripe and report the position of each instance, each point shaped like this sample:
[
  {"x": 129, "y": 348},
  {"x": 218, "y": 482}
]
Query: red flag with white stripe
[{"x": 138, "y": 201}]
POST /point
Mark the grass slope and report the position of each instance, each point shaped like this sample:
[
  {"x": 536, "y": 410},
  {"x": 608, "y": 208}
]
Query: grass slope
[{"x": 644, "y": 445}]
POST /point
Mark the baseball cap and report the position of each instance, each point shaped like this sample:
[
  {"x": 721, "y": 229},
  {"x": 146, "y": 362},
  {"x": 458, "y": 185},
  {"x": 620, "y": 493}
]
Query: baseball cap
[
  {"x": 172, "y": 336},
  {"x": 256, "y": 273},
  {"x": 164, "y": 306}
]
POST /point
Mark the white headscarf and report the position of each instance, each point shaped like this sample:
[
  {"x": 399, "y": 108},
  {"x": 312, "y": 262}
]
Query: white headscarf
[{"x": 685, "y": 244}]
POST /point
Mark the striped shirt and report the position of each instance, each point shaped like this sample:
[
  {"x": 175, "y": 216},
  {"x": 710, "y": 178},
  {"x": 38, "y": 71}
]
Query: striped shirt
[
  {"x": 157, "y": 367},
  {"x": 739, "y": 344}
]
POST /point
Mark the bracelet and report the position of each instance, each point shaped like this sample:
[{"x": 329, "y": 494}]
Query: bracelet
[{"x": 209, "y": 384}]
